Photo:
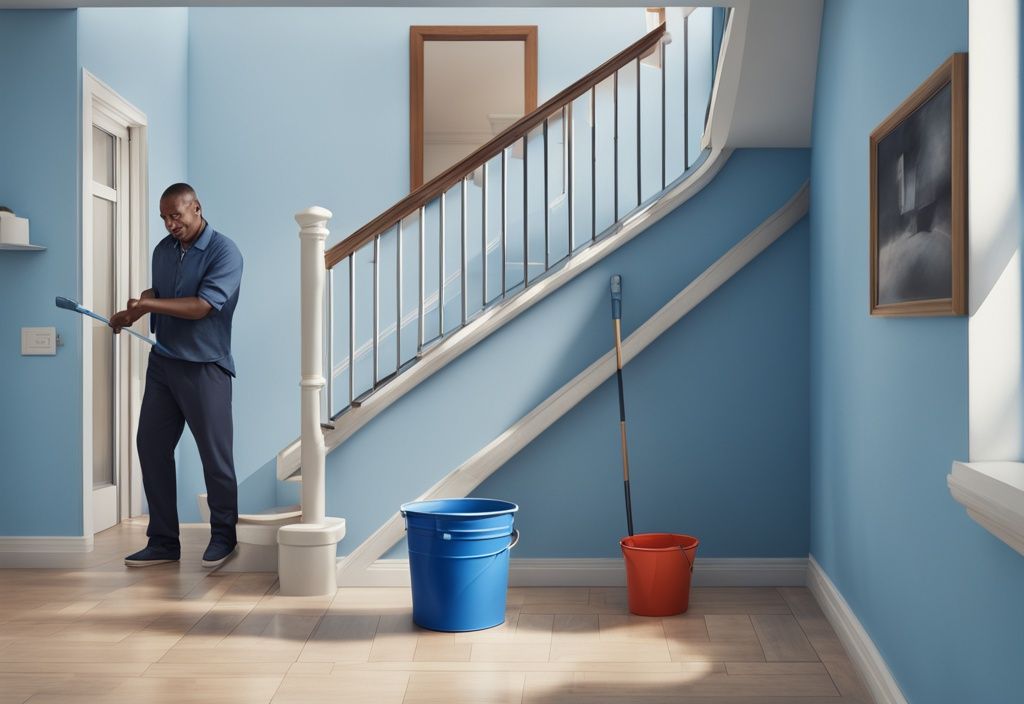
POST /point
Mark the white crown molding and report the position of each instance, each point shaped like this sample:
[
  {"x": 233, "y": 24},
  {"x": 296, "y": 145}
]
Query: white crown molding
[
  {"x": 608, "y": 572},
  {"x": 993, "y": 494},
  {"x": 856, "y": 641}
]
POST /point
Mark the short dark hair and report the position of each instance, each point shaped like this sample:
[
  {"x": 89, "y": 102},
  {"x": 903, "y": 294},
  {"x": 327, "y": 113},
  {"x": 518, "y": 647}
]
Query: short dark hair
[{"x": 179, "y": 189}]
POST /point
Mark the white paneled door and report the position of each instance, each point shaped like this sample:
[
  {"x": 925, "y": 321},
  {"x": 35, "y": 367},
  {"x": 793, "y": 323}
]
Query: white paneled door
[
  {"x": 110, "y": 264},
  {"x": 115, "y": 252}
]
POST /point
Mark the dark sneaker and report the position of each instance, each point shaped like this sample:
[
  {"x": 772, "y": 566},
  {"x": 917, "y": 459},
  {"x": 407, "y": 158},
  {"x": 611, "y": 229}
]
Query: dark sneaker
[
  {"x": 217, "y": 554},
  {"x": 151, "y": 555}
]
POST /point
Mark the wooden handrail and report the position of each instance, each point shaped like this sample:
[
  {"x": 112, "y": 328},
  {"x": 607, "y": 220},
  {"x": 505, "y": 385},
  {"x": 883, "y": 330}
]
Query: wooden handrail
[{"x": 448, "y": 178}]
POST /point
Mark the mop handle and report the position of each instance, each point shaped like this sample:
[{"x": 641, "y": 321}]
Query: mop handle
[
  {"x": 616, "y": 290},
  {"x": 68, "y": 304}
]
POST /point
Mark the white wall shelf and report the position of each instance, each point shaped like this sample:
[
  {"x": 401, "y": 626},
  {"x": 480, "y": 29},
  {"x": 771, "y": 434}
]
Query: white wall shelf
[
  {"x": 993, "y": 494},
  {"x": 20, "y": 248}
]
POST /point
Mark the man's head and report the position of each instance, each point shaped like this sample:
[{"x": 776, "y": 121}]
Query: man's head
[{"x": 181, "y": 212}]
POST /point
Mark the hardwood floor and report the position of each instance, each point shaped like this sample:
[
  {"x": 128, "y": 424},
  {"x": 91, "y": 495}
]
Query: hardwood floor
[{"x": 99, "y": 633}]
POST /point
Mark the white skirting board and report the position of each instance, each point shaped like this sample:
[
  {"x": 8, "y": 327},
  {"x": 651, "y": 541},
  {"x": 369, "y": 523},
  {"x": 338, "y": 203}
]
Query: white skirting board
[
  {"x": 858, "y": 644},
  {"x": 46, "y": 543},
  {"x": 609, "y": 572}
]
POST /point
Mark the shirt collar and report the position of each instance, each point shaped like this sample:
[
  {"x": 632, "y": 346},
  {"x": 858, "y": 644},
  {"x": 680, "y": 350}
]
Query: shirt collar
[{"x": 204, "y": 239}]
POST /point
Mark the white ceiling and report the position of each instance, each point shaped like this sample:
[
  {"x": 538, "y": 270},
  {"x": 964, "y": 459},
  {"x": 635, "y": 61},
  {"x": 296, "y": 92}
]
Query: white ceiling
[{"x": 58, "y": 4}]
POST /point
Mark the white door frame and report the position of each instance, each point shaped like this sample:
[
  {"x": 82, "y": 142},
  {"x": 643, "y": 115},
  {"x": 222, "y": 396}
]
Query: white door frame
[{"x": 100, "y": 102}]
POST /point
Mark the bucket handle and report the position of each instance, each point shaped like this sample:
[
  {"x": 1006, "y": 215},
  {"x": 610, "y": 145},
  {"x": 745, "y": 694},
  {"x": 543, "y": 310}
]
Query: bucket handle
[
  {"x": 687, "y": 558},
  {"x": 515, "y": 539}
]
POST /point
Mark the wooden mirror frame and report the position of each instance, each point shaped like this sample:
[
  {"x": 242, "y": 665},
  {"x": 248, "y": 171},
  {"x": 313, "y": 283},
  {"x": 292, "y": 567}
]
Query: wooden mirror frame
[{"x": 420, "y": 34}]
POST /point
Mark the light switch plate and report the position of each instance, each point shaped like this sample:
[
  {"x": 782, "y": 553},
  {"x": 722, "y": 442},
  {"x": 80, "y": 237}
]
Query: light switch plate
[{"x": 39, "y": 341}]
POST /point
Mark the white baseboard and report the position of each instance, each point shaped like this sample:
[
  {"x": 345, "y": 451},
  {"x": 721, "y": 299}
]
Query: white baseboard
[
  {"x": 607, "y": 572},
  {"x": 46, "y": 543},
  {"x": 858, "y": 644}
]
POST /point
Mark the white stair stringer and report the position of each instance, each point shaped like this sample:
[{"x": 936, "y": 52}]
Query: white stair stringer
[
  {"x": 353, "y": 569},
  {"x": 288, "y": 460}
]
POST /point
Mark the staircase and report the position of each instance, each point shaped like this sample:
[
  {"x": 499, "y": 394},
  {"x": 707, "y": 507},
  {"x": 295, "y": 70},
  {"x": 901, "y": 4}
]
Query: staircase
[{"x": 466, "y": 253}]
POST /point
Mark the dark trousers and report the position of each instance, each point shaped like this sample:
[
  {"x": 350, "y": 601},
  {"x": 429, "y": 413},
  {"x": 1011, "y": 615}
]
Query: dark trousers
[{"x": 199, "y": 394}]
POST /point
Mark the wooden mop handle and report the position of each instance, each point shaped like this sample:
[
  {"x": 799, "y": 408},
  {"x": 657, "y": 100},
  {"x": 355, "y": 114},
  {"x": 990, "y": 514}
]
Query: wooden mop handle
[{"x": 616, "y": 289}]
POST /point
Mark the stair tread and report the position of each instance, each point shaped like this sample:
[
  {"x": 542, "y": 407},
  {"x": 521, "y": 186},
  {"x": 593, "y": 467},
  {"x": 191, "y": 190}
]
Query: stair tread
[{"x": 271, "y": 515}]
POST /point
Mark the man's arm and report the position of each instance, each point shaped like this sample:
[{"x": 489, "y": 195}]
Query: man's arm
[{"x": 189, "y": 308}]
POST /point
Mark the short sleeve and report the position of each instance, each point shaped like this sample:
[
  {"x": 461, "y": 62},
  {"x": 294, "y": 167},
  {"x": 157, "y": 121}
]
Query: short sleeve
[{"x": 223, "y": 277}]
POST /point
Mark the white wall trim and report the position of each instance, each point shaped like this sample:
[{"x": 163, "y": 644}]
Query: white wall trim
[
  {"x": 993, "y": 494},
  {"x": 471, "y": 473},
  {"x": 856, "y": 641},
  {"x": 46, "y": 544},
  {"x": 610, "y": 572}
]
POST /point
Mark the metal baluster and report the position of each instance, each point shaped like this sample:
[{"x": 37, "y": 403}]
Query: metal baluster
[
  {"x": 398, "y": 299},
  {"x": 504, "y": 215},
  {"x": 464, "y": 275},
  {"x": 593, "y": 163},
  {"x": 330, "y": 342},
  {"x": 547, "y": 198},
  {"x": 569, "y": 176},
  {"x": 440, "y": 273},
  {"x": 351, "y": 328},
  {"x": 483, "y": 238},
  {"x": 615, "y": 141},
  {"x": 376, "y": 307},
  {"x": 526, "y": 211},
  {"x": 423, "y": 237},
  {"x": 639, "y": 172},
  {"x": 661, "y": 48},
  {"x": 686, "y": 93}
]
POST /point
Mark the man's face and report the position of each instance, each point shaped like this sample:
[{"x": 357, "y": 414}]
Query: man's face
[{"x": 182, "y": 217}]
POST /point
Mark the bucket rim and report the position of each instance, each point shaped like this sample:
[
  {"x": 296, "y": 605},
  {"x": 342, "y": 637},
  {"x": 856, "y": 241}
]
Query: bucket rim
[
  {"x": 694, "y": 539},
  {"x": 410, "y": 508}
]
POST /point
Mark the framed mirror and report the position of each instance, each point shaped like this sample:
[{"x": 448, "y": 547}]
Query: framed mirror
[{"x": 466, "y": 85}]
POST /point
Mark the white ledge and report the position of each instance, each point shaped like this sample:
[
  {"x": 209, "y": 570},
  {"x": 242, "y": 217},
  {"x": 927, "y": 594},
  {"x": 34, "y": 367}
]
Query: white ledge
[{"x": 993, "y": 494}]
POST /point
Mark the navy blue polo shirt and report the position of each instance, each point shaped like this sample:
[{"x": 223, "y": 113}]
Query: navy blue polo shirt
[{"x": 210, "y": 269}]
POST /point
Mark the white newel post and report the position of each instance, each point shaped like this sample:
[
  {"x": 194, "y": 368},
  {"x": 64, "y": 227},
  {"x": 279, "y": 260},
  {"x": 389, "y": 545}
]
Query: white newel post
[
  {"x": 307, "y": 555},
  {"x": 313, "y": 233}
]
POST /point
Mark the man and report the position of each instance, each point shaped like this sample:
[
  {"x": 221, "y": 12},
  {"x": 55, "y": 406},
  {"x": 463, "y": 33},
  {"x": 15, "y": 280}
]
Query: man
[{"x": 196, "y": 276}]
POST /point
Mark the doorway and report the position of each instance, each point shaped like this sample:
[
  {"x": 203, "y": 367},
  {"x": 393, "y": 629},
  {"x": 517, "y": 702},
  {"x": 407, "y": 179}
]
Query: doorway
[
  {"x": 467, "y": 84},
  {"x": 114, "y": 267}
]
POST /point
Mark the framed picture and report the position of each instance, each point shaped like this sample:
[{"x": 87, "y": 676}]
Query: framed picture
[{"x": 919, "y": 200}]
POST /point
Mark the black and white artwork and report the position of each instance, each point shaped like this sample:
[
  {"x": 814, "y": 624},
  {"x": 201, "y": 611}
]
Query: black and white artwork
[{"x": 914, "y": 192}]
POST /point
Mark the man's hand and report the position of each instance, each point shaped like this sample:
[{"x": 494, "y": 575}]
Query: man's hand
[{"x": 127, "y": 317}]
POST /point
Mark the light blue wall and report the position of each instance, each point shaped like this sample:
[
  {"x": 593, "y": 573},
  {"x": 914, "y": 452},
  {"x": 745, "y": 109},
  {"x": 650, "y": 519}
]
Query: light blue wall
[
  {"x": 310, "y": 106},
  {"x": 717, "y": 413},
  {"x": 143, "y": 55},
  {"x": 754, "y": 358},
  {"x": 939, "y": 596},
  {"x": 40, "y": 397}
]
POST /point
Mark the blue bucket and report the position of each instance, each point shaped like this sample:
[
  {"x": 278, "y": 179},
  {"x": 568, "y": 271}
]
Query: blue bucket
[{"x": 458, "y": 560}]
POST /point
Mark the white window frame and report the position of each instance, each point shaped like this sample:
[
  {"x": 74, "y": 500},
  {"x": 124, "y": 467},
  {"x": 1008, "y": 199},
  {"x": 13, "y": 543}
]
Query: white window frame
[{"x": 99, "y": 99}]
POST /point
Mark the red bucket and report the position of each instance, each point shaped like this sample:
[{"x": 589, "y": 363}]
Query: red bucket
[{"x": 658, "y": 570}]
